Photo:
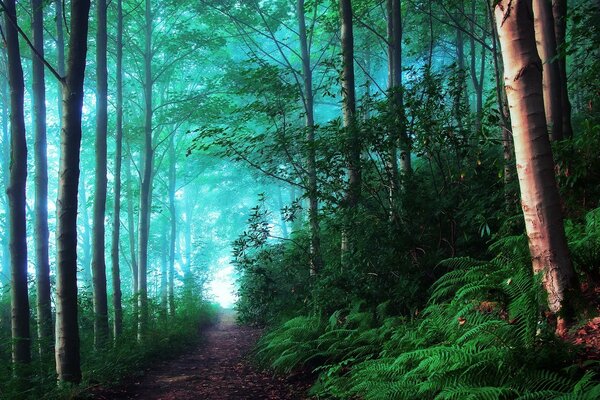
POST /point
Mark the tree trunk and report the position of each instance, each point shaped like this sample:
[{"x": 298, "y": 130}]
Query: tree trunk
[
  {"x": 316, "y": 262},
  {"x": 282, "y": 222},
  {"x": 164, "y": 295},
  {"x": 477, "y": 79},
  {"x": 44, "y": 308},
  {"x": 5, "y": 276},
  {"x": 461, "y": 94},
  {"x": 132, "y": 234},
  {"x": 173, "y": 225},
  {"x": 60, "y": 49},
  {"x": 507, "y": 139},
  {"x": 146, "y": 183},
  {"x": 559, "y": 12},
  {"x": 86, "y": 236},
  {"x": 21, "y": 340},
  {"x": 67, "y": 331},
  {"x": 546, "y": 47},
  {"x": 187, "y": 238},
  {"x": 116, "y": 267},
  {"x": 349, "y": 112},
  {"x": 98, "y": 234},
  {"x": 535, "y": 166}
]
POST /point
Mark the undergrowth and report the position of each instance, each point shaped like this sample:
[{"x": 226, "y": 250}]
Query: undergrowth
[
  {"x": 122, "y": 358},
  {"x": 482, "y": 335}
]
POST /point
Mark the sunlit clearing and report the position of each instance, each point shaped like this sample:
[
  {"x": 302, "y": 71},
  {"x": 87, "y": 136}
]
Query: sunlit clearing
[{"x": 222, "y": 288}]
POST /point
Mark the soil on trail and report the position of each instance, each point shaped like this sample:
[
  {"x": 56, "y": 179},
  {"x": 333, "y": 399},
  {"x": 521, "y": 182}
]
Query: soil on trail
[{"x": 216, "y": 370}]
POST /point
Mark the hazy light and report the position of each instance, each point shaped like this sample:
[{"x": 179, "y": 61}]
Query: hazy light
[{"x": 222, "y": 287}]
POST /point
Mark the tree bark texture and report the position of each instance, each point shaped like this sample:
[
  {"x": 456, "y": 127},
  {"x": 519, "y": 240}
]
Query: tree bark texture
[
  {"x": 100, "y": 185},
  {"x": 533, "y": 155},
  {"x": 21, "y": 340},
  {"x": 67, "y": 331},
  {"x": 546, "y": 47},
  {"x": 44, "y": 310}
]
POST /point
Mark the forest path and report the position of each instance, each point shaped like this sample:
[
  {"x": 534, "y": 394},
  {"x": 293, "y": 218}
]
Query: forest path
[{"x": 217, "y": 369}]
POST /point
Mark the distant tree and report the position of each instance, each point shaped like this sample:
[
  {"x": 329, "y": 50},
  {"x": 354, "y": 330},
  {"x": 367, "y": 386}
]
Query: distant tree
[
  {"x": 146, "y": 177},
  {"x": 546, "y": 47},
  {"x": 559, "y": 13},
  {"x": 21, "y": 340},
  {"x": 116, "y": 270},
  {"x": 100, "y": 186},
  {"x": 533, "y": 154}
]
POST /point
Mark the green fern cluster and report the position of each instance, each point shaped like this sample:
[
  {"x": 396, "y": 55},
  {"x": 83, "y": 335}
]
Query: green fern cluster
[
  {"x": 309, "y": 342},
  {"x": 466, "y": 348},
  {"x": 482, "y": 336},
  {"x": 584, "y": 242}
]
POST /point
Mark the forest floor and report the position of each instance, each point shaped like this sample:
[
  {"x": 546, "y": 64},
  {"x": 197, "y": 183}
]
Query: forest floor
[{"x": 217, "y": 369}]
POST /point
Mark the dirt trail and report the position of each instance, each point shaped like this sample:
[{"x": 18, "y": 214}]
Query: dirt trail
[{"x": 216, "y": 370}]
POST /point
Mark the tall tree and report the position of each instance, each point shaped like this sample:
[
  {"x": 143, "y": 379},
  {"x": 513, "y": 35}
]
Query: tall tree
[
  {"x": 116, "y": 270},
  {"x": 146, "y": 178},
  {"x": 311, "y": 162},
  {"x": 98, "y": 233},
  {"x": 173, "y": 224},
  {"x": 67, "y": 331},
  {"x": 349, "y": 112},
  {"x": 533, "y": 155},
  {"x": 21, "y": 340},
  {"x": 5, "y": 275},
  {"x": 546, "y": 47},
  {"x": 44, "y": 311}
]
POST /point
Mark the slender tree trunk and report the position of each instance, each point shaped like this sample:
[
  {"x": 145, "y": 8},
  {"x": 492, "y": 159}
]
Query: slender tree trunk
[
  {"x": 349, "y": 113},
  {"x": 477, "y": 79},
  {"x": 21, "y": 340},
  {"x": 132, "y": 233},
  {"x": 398, "y": 132},
  {"x": 146, "y": 183},
  {"x": 535, "y": 166},
  {"x": 505, "y": 123},
  {"x": 187, "y": 238},
  {"x": 559, "y": 12},
  {"x": 173, "y": 225},
  {"x": 44, "y": 310},
  {"x": 164, "y": 295},
  {"x": 116, "y": 266},
  {"x": 546, "y": 47},
  {"x": 316, "y": 262},
  {"x": 86, "y": 236},
  {"x": 60, "y": 48},
  {"x": 98, "y": 235},
  {"x": 282, "y": 222},
  {"x": 67, "y": 332},
  {"x": 461, "y": 87},
  {"x": 5, "y": 276},
  {"x": 394, "y": 47}
]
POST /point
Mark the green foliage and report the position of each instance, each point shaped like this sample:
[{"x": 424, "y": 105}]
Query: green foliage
[
  {"x": 122, "y": 358},
  {"x": 482, "y": 336}
]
